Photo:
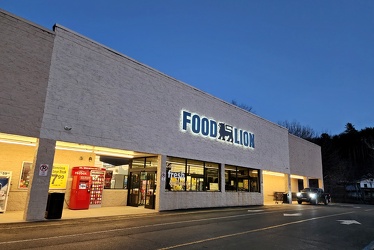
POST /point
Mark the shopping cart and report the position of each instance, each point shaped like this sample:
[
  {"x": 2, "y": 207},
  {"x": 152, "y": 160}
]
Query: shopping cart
[{"x": 278, "y": 197}]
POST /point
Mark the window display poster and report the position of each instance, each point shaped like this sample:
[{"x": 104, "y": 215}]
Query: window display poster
[
  {"x": 4, "y": 189},
  {"x": 59, "y": 176},
  {"x": 24, "y": 179},
  {"x": 108, "y": 179}
]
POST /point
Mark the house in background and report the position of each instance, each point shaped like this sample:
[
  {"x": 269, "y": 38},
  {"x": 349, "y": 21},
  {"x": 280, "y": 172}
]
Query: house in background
[{"x": 367, "y": 183}]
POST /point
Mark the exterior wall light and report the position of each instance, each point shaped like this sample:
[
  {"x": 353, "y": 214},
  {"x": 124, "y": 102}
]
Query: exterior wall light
[{"x": 67, "y": 128}]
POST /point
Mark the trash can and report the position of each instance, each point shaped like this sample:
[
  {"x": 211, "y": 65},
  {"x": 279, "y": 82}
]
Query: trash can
[
  {"x": 55, "y": 205},
  {"x": 285, "y": 198}
]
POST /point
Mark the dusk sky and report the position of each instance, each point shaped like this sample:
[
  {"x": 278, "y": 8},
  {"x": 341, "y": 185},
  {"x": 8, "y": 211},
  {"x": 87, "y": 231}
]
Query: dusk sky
[{"x": 305, "y": 61}]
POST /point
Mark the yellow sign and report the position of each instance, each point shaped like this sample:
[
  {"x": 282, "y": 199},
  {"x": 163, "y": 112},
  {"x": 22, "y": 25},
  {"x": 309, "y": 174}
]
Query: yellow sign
[{"x": 59, "y": 176}]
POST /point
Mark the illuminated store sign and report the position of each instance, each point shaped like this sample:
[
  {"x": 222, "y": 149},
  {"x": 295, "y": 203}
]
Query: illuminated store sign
[
  {"x": 221, "y": 131},
  {"x": 175, "y": 174}
]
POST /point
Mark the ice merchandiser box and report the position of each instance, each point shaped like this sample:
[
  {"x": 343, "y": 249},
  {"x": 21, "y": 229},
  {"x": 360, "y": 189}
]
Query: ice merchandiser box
[{"x": 87, "y": 187}]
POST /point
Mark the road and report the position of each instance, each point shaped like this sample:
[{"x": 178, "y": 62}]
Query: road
[{"x": 282, "y": 226}]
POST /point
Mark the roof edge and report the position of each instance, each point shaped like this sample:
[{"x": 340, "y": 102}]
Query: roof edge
[{"x": 27, "y": 21}]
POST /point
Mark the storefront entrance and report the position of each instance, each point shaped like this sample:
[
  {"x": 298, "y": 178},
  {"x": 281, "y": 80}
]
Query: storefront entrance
[{"x": 142, "y": 189}]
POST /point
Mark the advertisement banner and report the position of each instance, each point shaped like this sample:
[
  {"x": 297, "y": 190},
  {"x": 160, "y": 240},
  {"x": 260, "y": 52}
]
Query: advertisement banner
[
  {"x": 5, "y": 177},
  {"x": 25, "y": 177},
  {"x": 59, "y": 176}
]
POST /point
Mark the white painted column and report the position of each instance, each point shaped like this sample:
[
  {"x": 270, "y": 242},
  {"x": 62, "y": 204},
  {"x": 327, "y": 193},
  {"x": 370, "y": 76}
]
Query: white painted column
[
  {"x": 320, "y": 183},
  {"x": 37, "y": 194},
  {"x": 222, "y": 176},
  {"x": 261, "y": 184},
  {"x": 287, "y": 183},
  {"x": 306, "y": 182},
  {"x": 161, "y": 182}
]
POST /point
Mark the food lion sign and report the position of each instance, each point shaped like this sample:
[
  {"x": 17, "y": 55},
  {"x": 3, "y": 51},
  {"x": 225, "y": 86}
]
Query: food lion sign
[{"x": 220, "y": 131}]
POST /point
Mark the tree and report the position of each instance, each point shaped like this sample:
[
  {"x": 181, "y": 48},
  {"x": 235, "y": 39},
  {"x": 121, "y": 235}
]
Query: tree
[
  {"x": 242, "y": 106},
  {"x": 349, "y": 154},
  {"x": 295, "y": 128},
  {"x": 346, "y": 158},
  {"x": 350, "y": 128}
]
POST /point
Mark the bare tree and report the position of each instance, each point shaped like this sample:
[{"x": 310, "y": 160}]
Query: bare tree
[
  {"x": 242, "y": 106},
  {"x": 295, "y": 128}
]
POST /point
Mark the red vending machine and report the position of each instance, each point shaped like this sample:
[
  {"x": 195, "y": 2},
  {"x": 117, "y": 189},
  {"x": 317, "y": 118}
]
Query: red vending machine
[
  {"x": 80, "y": 188},
  {"x": 87, "y": 187},
  {"x": 98, "y": 182}
]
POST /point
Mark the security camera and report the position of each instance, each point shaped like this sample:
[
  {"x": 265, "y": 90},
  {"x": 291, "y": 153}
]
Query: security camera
[{"x": 67, "y": 128}]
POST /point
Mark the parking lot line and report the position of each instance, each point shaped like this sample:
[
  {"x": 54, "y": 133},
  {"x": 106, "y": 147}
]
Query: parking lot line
[{"x": 253, "y": 231}]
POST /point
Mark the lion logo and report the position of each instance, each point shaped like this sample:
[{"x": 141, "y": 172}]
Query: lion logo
[{"x": 225, "y": 130}]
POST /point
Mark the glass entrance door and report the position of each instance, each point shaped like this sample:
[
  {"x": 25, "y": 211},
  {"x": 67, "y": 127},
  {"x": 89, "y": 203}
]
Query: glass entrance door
[
  {"x": 134, "y": 189},
  {"x": 150, "y": 192},
  {"x": 142, "y": 187}
]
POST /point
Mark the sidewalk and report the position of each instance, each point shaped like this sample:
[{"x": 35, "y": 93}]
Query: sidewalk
[{"x": 17, "y": 216}]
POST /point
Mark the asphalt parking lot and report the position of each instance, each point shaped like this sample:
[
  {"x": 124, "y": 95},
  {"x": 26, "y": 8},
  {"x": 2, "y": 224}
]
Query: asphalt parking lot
[{"x": 282, "y": 226}]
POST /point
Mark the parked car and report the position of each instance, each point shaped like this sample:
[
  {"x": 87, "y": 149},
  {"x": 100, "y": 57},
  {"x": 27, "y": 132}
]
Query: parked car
[{"x": 313, "y": 195}]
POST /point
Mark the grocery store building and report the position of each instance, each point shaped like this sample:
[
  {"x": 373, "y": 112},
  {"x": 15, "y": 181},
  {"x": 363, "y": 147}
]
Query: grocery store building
[{"x": 77, "y": 117}]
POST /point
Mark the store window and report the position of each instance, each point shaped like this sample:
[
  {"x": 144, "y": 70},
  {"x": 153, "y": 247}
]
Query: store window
[
  {"x": 116, "y": 171},
  {"x": 145, "y": 162},
  {"x": 212, "y": 174},
  {"x": 191, "y": 175},
  {"x": 195, "y": 176},
  {"x": 176, "y": 174},
  {"x": 240, "y": 179},
  {"x": 254, "y": 180},
  {"x": 116, "y": 176},
  {"x": 230, "y": 178}
]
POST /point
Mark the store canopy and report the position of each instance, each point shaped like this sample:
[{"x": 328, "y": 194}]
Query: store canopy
[{"x": 115, "y": 161}]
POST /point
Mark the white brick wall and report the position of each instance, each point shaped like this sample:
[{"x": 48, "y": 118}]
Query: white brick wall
[
  {"x": 114, "y": 101},
  {"x": 25, "y": 55},
  {"x": 111, "y": 100},
  {"x": 305, "y": 158}
]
